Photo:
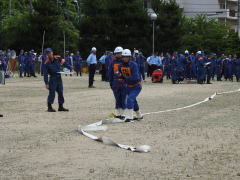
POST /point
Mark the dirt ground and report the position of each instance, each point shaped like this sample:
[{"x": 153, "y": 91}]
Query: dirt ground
[{"x": 201, "y": 143}]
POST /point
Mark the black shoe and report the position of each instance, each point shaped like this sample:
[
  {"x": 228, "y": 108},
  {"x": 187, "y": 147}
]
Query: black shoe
[
  {"x": 1, "y": 115},
  {"x": 120, "y": 117},
  {"x": 129, "y": 120},
  {"x": 91, "y": 87},
  {"x": 61, "y": 108},
  {"x": 50, "y": 109},
  {"x": 138, "y": 119}
]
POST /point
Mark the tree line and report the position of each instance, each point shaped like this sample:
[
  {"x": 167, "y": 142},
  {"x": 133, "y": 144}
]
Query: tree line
[{"x": 106, "y": 24}]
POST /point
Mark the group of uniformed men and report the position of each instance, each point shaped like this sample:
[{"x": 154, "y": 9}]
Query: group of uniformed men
[
  {"x": 106, "y": 59},
  {"x": 125, "y": 71},
  {"x": 123, "y": 75},
  {"x": 29, "y": 62},
  {"x": 199, "y": 66},
  {"x": 25, "y": 60}
]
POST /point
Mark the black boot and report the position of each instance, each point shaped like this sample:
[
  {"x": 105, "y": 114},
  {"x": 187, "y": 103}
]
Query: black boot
[
  {"x": 50, "y": 109},
  {"x": 33, "y": 74},
  {"x": 1, "y": 115},
  {"x": 20, "y": 75},
  {"x": 120, "y": 117},
  {"x": 61, "y": 108}
]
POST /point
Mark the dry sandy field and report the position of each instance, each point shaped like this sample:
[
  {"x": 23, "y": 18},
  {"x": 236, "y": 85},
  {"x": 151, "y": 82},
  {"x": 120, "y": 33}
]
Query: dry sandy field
[{"x": 200, "y": 143}]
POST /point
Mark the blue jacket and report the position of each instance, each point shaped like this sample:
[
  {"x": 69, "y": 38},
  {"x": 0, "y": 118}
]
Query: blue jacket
[
  {"x": 52, "y": 68},
  {"x": 108, "y": 60},
  {"x": 140, "y": 60},
  {"x": 77, "y": 60},
  {"x": 237, "y": 65},
  {"x": 166, "y": 61},
  {"x": 114, "y": 74},
  {"x": 31, "y": 58},
  {"x": 21, "y": 59},
  {"x": 227, "y": 67},
  {"x": 201, "y": 70},
  {"x": 130, "y": 72}
]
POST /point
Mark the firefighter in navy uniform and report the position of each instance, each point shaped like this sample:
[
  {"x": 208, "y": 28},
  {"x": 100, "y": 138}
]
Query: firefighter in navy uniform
[
  {"x": 21, "y": 64},
  {"x": 54, "y": 83},
  {"x": 209, "y": 67},
  {"x": 129, "y": 71},
  {"x": 117, "y": 83}
]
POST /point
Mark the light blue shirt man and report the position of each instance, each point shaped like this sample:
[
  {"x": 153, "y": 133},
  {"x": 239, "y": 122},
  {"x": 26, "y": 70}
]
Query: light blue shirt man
[
  {"x": 154, "y": 60},
  {"x": 102, "y": 59},
  {"x": 92, "y": 59}
]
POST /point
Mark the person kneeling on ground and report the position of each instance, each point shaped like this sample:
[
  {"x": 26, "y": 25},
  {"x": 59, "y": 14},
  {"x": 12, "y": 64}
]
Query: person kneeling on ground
[
  {"x": 53, "y": 64},
  {"x": 132, "y": 78}
]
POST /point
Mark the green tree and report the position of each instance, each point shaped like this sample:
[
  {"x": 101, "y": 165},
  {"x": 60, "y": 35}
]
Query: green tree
[
  {"x": 12, "y": 19},
  {"x": 108, "y": 23},
  {"x": 202, "y": 33},
  {"x": 25, "y": 28}
]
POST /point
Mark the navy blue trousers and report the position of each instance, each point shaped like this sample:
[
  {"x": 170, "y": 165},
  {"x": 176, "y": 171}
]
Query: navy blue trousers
[
  {"x": 55, "y": 85},
  {"x": 132, "y": 93}
]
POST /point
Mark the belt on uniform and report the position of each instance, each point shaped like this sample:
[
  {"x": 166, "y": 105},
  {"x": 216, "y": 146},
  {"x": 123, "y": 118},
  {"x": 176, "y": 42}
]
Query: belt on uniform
[
  {"x": 117, "y": 79},
  {"x": 133, "y": 85}
]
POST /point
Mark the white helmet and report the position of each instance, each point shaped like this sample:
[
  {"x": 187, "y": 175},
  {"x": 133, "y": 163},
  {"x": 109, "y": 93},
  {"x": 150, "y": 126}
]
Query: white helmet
[
  {"x": 199, "y": 52},
  {"x": 126, "y": 52},
  {"x": 186, "y": 52},
  {"x": 136, "y": 51},
  {"x": 118, "y": 49},
  {"x": 94, "y": 49}
]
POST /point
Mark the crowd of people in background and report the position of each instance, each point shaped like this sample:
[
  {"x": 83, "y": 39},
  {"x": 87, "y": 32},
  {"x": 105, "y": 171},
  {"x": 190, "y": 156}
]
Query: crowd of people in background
[
  {"x": 177, "y": 67},
  {"x": 30, "y": 63},
  {"x": 187, "y": 66}
]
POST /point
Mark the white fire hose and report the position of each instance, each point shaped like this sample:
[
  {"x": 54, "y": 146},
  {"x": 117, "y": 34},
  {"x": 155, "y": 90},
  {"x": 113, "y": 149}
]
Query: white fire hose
[{"x": 100, "y": 126}]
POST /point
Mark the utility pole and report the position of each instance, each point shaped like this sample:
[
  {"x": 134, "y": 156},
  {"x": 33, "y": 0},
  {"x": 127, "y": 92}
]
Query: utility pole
[
  {"x": 10, "y": 7},
  {"x": 78, "y": 8},
  {"x": 153, "y": 16},
  {"x": 225, "y": 5}
]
